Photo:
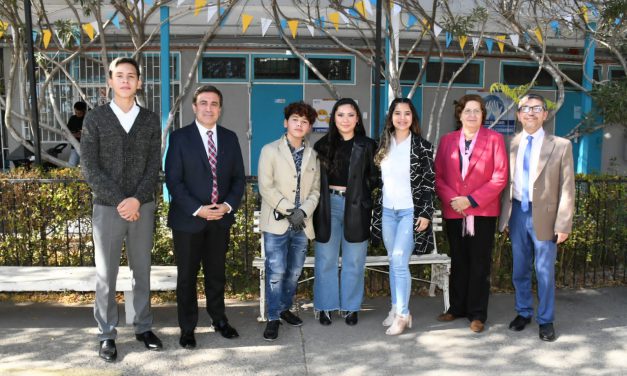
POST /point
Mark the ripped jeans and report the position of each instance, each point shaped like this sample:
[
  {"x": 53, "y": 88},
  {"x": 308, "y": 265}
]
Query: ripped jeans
[
  {"x": 285, "y": 256},
  {"x": 398, "y": 237}
]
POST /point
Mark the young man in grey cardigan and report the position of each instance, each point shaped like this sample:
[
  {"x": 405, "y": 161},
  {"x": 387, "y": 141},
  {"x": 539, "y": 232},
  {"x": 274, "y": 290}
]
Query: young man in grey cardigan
[{"x": 121, "y": 156}]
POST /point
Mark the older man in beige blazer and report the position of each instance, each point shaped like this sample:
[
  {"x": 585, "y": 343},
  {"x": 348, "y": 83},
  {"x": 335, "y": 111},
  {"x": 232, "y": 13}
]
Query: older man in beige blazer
[{"x": 538, "y": 212}]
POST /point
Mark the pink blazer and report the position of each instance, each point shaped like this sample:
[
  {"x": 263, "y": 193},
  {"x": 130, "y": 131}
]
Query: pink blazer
[{"x": 486, "y": 178}]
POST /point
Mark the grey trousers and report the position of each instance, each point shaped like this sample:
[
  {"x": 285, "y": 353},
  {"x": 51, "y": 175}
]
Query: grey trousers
[{"x": 110, "y": 231}]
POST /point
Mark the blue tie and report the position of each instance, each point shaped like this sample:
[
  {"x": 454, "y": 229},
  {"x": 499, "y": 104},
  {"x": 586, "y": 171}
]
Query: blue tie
[{"x": 524, "y": 204}]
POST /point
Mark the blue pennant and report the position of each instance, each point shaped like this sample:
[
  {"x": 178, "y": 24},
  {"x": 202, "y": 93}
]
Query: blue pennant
[
  {"x": 489, "y": 43},
  {"x": 449, "y": 39}
]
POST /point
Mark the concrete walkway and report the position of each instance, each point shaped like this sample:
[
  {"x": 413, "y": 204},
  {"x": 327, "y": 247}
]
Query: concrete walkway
[{"x": 45, "y": 339}]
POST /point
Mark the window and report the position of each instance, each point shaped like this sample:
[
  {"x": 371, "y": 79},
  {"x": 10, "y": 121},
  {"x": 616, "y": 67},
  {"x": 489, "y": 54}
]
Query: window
[
  {"x": 276, "y": 68},
  {"x": 411, "y": 70},
  {"x": 223, "y": 68},
  {"x": 470, "y": 76},
  {"x": 516, "y": 74},
  {"x": 616, "y": 73},
  {"x": 333, "y": 69},
  {"x": 575, "y": 72}
]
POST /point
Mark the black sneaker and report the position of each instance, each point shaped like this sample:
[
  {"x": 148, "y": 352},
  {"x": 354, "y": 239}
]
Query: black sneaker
[
  {"x": 291, "y": 318},
  {"x": 272, "y": 330}
]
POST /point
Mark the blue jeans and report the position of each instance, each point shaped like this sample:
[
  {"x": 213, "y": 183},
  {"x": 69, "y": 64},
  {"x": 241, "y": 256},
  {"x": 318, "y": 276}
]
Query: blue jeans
[
  {"x": 345, "y": 294},
  {"x": 526, "y": 248},
  {"x": 285, "y": 256},
  {"x": 398, "y": 237}
]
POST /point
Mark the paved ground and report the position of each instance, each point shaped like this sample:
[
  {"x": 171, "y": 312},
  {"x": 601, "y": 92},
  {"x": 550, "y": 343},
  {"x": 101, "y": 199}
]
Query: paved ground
[{"x": 45, "y": 339}]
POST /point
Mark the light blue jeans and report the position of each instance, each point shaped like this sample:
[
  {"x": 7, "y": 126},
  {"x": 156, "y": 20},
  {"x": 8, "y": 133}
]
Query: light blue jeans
[
  {"x": 398, "y": 238},
  {"x": 285, "y": 256},
  {"x": 347, "y": 292}
]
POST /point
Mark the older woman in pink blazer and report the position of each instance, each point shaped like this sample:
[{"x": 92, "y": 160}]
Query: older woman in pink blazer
[{"x": 470, "y": 173}]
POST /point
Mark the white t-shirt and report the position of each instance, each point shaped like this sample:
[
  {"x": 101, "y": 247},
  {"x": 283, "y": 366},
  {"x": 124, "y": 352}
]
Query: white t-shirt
[{"x": 395, "y": 174}]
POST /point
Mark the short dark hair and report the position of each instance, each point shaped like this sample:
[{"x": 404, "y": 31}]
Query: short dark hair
[
  {"x": 461, "y": 104},
  {"x": 123, "y": 60},
  {"x": 301, "y": 109},
  {"x": 526, "y": 97},
  {"x": 207, "y": 89},
  {"x": 81, "y": 106}
]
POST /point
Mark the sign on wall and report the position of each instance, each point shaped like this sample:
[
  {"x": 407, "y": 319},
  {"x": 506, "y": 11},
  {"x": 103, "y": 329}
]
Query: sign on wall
[
  {"x": 496, "y": 104},
  {"x": 323, "y": 107}
]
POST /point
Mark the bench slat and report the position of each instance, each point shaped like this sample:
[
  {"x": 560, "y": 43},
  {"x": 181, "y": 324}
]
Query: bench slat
[{"x": 258, "y": 262}]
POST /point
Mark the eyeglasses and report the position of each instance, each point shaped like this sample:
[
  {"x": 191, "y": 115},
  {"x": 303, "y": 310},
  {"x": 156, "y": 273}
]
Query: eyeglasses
[
  {"x": 527, "y": 109},
  {"x": 473, "y": 112}
]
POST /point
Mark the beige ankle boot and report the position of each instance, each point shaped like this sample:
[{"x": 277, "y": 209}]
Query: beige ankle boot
[
  {"x": 390, "y": 319},
  {"x": 398, "y": 326}
]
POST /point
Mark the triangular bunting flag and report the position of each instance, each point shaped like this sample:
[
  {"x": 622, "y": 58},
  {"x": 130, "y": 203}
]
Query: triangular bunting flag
[
  {"x": 116, "y": 21},
  {"x": 311, "y": 29},
  {"x": 538, "y": 33},
  {"x": 515, "y": 38},
  {"x": 293, "y": 24},
  {"x": 283, "y": 24},
  {"x": 148, "y": 3},
  {"x": 462, "y": 41},
  {"x": 335, "y": 19},
  {"x": 569, "y": 22},
  {"x": 501, "y": 42},
  {"x": 584, "y": 13},
  {"x": 436, "y": 30},
  {"x": 411, "y": 21},
  {"x": 89, "y": 30},
  {"x": 265, "y": 24},
  {"x": 489, "y": 43},
  {"x": 344, "y": 18},
  {"x": 527, "y": 37},
  {"x": 46, "y": 37},
  {"x": 222, "y": 10},
  {"x": 449, "y": 39},
  {"x": 246, "y": 20},
  {"x": 353, "y": 13},
  {"x": 3, "y": 26},
  {"x": 35, "y": 35},
  {"x": 179, "y": 2},
  {"x": 211, "y": 11},
  {"x": 198, "y": 5},
  {"x": 555, "y": 25},
  {"x": 476, "y": 43},
  {"x": 360, "y": 8},
  {"x": 368, "y": 6},
  {"x": 396, "y": 9}
]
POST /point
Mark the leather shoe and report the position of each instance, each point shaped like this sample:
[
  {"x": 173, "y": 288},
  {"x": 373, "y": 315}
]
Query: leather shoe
[
  {"x": 187, "y": 341},
  {"x": 351, "y": 319},
  {"x": 225, "y": 329},
  {"x": 547, "y": 332},
  {"x": 290, "y": 318},
  {"x": 519, "y": 323},
  {"x": 150, "y": 340},
  {"x": 325, "y": 318},
  {"x": 476, "y": 326},
  {"x": 272, "y": 330},
  {"x": 107, "y": 351},
  {"x": 445, "y": 317}
]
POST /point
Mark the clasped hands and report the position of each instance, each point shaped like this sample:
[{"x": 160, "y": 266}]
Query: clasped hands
[
  {"x": 213, "y": 212},
  {"x": 459, "y": 204},
  {"x": 129, "y": 209},
  {"x": 296, "y": 218}
]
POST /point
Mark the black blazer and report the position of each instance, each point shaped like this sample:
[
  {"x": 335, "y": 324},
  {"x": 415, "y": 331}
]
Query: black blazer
[
  {"x": 362, "y": 179},
  {"x": 189, "y": 179}
]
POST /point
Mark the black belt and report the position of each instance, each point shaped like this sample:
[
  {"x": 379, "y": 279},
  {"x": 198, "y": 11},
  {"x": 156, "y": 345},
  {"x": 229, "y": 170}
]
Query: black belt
[{"x": 336, "y": 192}]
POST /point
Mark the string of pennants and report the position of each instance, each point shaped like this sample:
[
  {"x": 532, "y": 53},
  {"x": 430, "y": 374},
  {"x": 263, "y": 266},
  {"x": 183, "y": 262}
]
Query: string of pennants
[{"x": 360, "y": 8}]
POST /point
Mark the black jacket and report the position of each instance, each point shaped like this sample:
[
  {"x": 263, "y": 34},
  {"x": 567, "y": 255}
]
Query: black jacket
[{"x": 362, "y": 179}]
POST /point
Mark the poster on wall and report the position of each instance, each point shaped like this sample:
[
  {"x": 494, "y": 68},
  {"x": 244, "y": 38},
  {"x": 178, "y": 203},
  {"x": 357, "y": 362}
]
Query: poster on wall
[
  {"x": 323, "y": 107},
  {"x": 496, "y": 104}
]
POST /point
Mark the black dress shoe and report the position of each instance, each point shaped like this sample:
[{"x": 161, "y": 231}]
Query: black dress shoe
[
  {"x": 272, "y": 330},
  {"x": 547, "y": 332},
  {"x": 290, "y": 318},
  {"x": 150, "y": 340},
  {"x": 187, "y": 341},
  {"x": 519, "y": 323},
  {"x": 225, "y": 329},
  {"x": 351, "y": 318},
  {"x": 325, "y": 318},
  {"x": 107, "y": 351}
]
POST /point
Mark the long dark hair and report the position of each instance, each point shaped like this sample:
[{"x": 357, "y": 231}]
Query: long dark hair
[
  {"x": 327, "y": 154},
  {"x": 388, "y": 131}
]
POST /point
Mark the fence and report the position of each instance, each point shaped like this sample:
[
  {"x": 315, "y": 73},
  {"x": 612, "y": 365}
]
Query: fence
[{"x": 47, "y": 222}]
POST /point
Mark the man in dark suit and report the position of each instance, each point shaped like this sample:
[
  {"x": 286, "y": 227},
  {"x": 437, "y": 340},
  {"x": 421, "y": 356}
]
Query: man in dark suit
[{"x": 201, "y": 211}]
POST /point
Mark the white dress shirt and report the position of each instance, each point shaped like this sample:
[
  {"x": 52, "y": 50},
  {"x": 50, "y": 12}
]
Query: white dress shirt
[
  {"x": 536, "y": 145},
  {"x": 205, "y": 141},
  {"x": 395, "y": 174},
  {"x": 126, "y": 118}
]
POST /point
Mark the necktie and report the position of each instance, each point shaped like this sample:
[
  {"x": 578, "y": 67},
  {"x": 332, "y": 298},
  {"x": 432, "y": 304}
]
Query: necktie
[
  {"x": 524, "y": 204},
  {"x": 213, "y": 163}
]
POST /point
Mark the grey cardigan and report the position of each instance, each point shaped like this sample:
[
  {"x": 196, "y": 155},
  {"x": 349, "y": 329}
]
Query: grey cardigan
[{"x": 117, "y": 164}]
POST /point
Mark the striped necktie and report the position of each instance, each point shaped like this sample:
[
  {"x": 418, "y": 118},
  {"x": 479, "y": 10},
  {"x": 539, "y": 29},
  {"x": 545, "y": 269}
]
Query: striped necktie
[{"x": 213, "y": 162}]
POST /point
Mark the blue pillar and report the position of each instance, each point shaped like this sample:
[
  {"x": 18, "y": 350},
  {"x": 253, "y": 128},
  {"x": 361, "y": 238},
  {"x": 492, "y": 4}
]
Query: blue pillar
[
  {"x": 589, "y": 155},
  {"x": 165, "y": 75}
]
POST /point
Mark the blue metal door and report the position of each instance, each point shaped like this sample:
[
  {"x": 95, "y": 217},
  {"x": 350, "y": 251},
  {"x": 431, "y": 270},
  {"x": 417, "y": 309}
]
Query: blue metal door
[{"x": 266, "y": 106}]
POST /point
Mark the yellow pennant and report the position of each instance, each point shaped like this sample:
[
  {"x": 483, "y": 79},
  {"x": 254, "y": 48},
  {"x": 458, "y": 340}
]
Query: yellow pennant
[
  {"x": 335, "y": 18},
  {"x": 246, "y": 20},
  {"x": 47, "y": 36},
  {"x": 89, "y": 30},
  {"x": 293, "y": 24},
  {"x": 462, "y": 41},
  {"x": 584, "y": 13},
  {"x": 361, "y": 8},
  {"x": 198, "y": 5},
  {"x": 538, "y": 33},
  {"x": 3, "y": 26},
  {"x": 500, "y": 43}
]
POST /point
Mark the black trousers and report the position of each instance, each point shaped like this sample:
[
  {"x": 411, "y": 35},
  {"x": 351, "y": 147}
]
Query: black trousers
[
  {"x": 191, "y": 250},
  {"x": 471, "y": 260}
]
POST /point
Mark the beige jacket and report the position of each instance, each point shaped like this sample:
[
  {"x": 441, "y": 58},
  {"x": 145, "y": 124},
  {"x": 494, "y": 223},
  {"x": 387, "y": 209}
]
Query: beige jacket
[
  {"x": 277, "y": 185},
  {"x": 553, "y": 188}
]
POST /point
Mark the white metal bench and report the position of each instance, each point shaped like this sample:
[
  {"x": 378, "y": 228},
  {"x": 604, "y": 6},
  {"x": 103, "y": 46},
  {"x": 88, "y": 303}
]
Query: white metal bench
[
  {"x": 81, "y": 278},
  {"x": 440, "y": 266}
]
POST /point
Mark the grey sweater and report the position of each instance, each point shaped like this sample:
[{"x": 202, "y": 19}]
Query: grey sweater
[{"x": 117, "y": 164}]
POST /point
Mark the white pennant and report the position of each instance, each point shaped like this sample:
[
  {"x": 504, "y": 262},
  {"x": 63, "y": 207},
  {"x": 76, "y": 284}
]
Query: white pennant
[
  {"x": 475, "y": 42},
  {"x": 515, "y": 39},
  {"x": 94, "y": 24},
  {"x": 343, "y": 17},
  {"x": 396, "y": 9},
  {"x": 436, "y": 30},
  {"x": 569, "y": 22},
  {"x": 311, "y": 29},
  {"x": 211, "y": 11},
  {"x": 56, "y": 32},
  {"x": 179, "y": 2},
  {"x": 368, "y": 6},
  {"x": 265, "y": 24}
]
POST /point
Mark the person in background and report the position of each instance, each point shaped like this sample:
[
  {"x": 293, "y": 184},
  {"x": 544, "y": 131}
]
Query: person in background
[{"x": 75, "y": 125}]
